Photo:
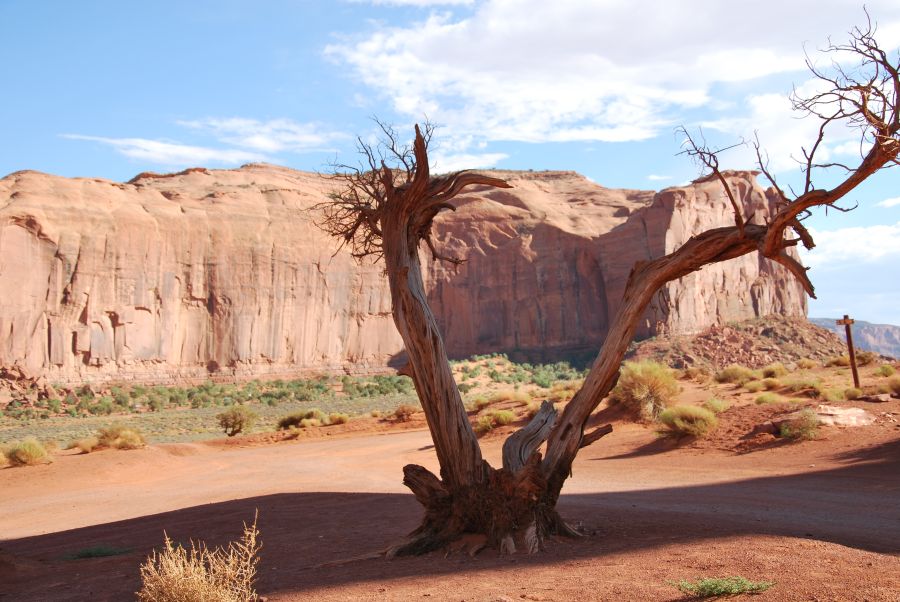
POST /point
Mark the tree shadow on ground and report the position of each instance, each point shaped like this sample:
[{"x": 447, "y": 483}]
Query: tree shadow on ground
[{"x": 301, "y": 532}]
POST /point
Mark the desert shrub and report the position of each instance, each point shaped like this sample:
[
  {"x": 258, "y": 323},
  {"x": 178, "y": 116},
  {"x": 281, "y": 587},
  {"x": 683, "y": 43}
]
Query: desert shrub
[
  {"x": 804, "y": 426},
  {"x": 646, "y": 388},
  {"x": 774, "y": 370},
  {"x": 465, "y": 387},
  {"x": 692, "y": 421},
  {"x": 295, "y": 419},
  {"x": 852, "y": 393},
  {"x": 736, "y": 374},
  {"x": 28, "y": 452},
  {"x": 86, "y": 444},
  {"x": 864, "y": 358},
  {"x": 118, "y": 436},
  {"x": 502, "y": 395},
  {"x": 769, "y": 398},
  {"x": 484, "y": 424},
  {"x": 838, "y": 361},
  {"x": 404, "y": 412},
  {"x": 754, "y": 386},
  {"x": 502, "y": 417},
  {"x": 716, "y": 405},
  {"x": 885, "y": 370},
  {"x": 306, "y": 423},
  {"x": 813, "y": 385},
  {"x": 770, "y": 384},
  {"x": 724, "y": 586},
  {"x": 806, "y": 364},
  {"x": 894, "y": 385},
  {"x": 338, "y": 418},
  {"x": 533, "y": 408},
  {"x": 221, "y": 575},
  {"x": 831, "y": 395},
  {"x": 237, "y": 419}
]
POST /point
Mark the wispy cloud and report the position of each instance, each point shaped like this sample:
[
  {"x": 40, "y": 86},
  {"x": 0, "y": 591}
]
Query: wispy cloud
[
  {"x": 273, "y": 136},
  {"x": 887, "y": 203},
  {"x": 855, "y": 245},
  {"x": 172, "y": 154},
  {"x": 656, "y": 178}
]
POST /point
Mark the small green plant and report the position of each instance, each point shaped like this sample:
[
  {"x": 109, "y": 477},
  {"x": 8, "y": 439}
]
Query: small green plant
[
  {"x": 118, "y": 436},
  {"x": 736, "y": 374},
  {"x": 96, "y": 552},
  {"x": 715, "y": 405},
  {"x": 646, "y": 388},
  {"x": 28, "y": 452},
  {"x": 722, "y": 586},
  {"x": 852, "y": 393},
  {"x": 769, "y": 398},
  {"x": 804, "y": 426},
  {"x": 754, "y": 386},
  {"x": 885, "y": 370},
  {"x": 236, "y": 420},
  {"x": 221, "y": 575},
  {"x": 690, "y": 421},
  {"x": 774, "y": 370}
]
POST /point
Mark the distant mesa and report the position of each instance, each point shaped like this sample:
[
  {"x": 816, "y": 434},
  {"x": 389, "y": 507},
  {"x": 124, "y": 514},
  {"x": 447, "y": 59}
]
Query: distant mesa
[
  {"x": 880, "y": 338},
  {"x": 223, "y": 272}
]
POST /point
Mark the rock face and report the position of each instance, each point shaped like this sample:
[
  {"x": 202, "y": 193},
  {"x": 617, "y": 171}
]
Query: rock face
[
  {"x": 224, "y": 272},
  {"x": 880, "y": 338}
]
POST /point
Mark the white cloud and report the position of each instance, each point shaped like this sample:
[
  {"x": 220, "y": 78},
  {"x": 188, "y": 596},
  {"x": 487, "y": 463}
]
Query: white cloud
[
  {"x": 271, "y": 136},
  {"x": 887, "y": 203},
  {"x": 441, "y": 163},
  {"x": 853, "y": 246},
  {"x": 656, "y": 178},
  {"x": 172, "y": 154},
  {"x": 570, "y": 70}
]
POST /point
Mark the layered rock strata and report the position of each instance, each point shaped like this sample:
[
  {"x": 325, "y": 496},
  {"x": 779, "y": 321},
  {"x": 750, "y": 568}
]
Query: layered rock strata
[{"x": 224, "y": 272}]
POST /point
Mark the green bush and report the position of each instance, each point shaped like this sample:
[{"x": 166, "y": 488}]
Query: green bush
[
  {"x": 852, "y": 393},
  {"x": 236, "y": 420},
  {"x": 691, "y": 421},
  {"x": 736, "y": 374},
  {"x": 726, "y": 586},
  {"x": 804, "y": 426},
  {"x": 885, "y": 370},
  {"x": 28, "y": 452},
  {"x": 646, "y": 388},
  {"x": 716, "y": 405}
]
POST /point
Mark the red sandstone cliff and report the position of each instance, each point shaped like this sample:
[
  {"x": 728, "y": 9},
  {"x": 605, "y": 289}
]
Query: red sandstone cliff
[{"x": 224, "y": 270}]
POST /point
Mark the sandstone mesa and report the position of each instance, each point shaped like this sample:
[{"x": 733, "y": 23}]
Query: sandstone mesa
[{"x": 224, "y": 273}]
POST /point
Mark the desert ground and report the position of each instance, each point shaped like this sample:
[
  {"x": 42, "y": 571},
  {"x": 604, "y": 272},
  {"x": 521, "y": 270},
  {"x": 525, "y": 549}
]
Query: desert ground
[{"x": 819, "y": 518}]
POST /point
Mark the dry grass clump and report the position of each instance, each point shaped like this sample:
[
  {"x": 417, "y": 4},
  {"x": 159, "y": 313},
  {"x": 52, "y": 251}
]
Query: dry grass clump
[
  {"x": 118, "y": 436},
  {"x": 885, "y": 370},
  {"x": 739, "y": 375},
  {"x": 838, "y": 361},
  {"x": 864, "y": 358},
  {"x": 201, "y": 574},
  {"x": 690, "y": 421},
  {"x": 754, "y": 386},
  {"x": 715, "y": 405},
  {"x": 563, "y": 391},
  {"x": 645, "y": 388},
  {"x": 520, "y": 397},
  {"x": 774, "y": 370},
  {"x": 338, "y": 418},
  {"x": 804, "y": 426},
  {"x": 894, "y": 385},
  {"x": 697, "y": 374},
  {"x": 807, "y": 364},
  {"x": 313, "y": 417},
  {"x": 722, "y": 586},
  {"x": 86, "y": 445},
  {"x": 237, "y": 419},
  {"x": 852, "y": 393},
  {"x": 489, "y": 422},
  {"x": 28, "y": 452},
  {"x": 769, "y": 398},
  {"x": 770, "y": 384},
  {"x": 404, "y": 412}
]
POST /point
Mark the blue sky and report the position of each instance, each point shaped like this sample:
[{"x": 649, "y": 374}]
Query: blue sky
[{"x": 109, "y": 89}]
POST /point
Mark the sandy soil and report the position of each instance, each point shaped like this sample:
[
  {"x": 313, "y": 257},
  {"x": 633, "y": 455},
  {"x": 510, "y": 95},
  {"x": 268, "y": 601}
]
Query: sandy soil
[{"x": 819, "y": 518}]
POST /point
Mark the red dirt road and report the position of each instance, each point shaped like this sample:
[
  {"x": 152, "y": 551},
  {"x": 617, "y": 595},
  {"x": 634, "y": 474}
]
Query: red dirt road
[{"x": 819, "y": 518}]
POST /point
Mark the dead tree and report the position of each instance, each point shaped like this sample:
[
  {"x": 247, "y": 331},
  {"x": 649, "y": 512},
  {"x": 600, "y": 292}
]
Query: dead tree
[{"x": 386, "y": 209}]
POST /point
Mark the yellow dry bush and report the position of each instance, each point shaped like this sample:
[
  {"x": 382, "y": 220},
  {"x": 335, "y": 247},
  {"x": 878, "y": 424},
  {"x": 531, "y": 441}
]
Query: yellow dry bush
[
  {"x": 200, "y": 574},
  {"x": 645, "y": 388}
]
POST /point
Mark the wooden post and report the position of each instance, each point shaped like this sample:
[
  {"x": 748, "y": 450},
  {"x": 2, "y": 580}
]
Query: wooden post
[{"x": 847, "y": 322}]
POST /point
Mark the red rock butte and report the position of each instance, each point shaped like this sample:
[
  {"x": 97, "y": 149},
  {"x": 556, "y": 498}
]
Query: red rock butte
[{"x": 224, "y": 273}]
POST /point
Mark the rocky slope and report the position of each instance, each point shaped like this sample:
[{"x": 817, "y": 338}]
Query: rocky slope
[
  {"x": 224, "y": 272},
  {"x": 880, "y": 338}
]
